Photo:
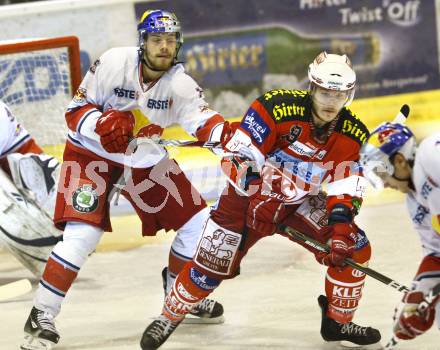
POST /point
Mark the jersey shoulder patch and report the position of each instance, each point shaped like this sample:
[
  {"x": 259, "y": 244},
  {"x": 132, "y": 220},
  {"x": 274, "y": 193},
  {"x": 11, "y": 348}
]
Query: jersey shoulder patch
[
  {"x": 350, "y": 125},
  {"x": 287, "y": 105}
]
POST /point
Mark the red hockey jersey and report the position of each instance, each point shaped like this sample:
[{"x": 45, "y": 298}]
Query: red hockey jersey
[{"x": 278, "y": 128}]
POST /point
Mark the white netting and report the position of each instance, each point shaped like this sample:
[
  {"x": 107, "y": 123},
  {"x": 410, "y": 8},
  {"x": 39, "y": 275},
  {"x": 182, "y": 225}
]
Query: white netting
[{"x": 36, "y": 85}]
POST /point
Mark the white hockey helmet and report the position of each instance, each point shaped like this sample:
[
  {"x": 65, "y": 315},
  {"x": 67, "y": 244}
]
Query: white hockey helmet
[{"x": 333, "y": 72}]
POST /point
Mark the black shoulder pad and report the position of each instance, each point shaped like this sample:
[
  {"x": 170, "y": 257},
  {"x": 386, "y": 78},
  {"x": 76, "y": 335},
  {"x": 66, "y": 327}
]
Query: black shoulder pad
[
  {"x": 350, "y": 125},
  {"x": 287, "y": 105}
]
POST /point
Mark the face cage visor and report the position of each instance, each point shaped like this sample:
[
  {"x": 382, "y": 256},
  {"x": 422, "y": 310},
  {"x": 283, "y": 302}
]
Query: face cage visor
[
  {"x": 376, "y": 166},
  {"x": 331, "y": 97}
]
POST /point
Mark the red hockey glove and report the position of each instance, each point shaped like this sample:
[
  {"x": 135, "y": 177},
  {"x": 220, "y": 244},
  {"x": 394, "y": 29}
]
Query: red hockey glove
[
  {"x": 151, "y": 130},
  {"x": 227, "y": 133},
  {"x": 411, "y": 322},
  {"x": 266, "y": 209},
  {"x": 115, "y": 129},
  {"x": 342, "y": 245}
]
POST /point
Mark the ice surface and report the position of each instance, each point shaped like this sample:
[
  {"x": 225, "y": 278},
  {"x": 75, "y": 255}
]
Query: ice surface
[{"x": 271, "y": 305}]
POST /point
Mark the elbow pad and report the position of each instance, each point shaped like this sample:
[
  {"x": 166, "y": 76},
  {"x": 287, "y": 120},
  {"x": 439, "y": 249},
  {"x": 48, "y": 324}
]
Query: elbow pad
[{"x": 340, "y": 213}]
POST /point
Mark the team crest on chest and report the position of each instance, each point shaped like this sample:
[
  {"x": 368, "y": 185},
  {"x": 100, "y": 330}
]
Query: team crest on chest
[
  {"x": 300, "y": 148},
  {"x": 85, "y": 199},
  {"x": 295, "y": 131}
]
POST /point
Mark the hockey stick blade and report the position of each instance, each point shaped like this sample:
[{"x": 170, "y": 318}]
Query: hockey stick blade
[
  {"x": 15, "y": 289},
  {"x": 325, "y": 248},
  {"x": 391, "y": 343}
]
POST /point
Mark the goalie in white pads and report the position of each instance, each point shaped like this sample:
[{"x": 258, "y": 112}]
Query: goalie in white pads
[
  {"x": 128, "y": 92},
  {"x": 392, "y": 159},
  {"x": 27, "y": 195}
]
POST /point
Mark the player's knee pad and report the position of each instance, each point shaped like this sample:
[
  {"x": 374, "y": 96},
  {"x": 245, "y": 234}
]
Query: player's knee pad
[
  {"x": 218, "y": 251},
  {"x": 79, "y": 241},
  {"x": 185, "y": 242}
]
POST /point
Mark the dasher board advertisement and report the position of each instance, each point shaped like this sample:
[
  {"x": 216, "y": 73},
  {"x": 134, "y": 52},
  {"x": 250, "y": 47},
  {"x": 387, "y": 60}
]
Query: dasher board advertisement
[{"x": 241, "y": 45}]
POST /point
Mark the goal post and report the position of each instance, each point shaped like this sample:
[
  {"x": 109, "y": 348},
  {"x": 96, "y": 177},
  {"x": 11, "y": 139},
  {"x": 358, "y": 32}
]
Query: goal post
[{"x": 38, "y": 78}]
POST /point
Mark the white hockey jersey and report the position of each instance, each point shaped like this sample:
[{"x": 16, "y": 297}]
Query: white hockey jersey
[
  {"x": 115, "y": 82},
  {"x": 12, "y": 134},
  {"x": 424, "y": 203}
]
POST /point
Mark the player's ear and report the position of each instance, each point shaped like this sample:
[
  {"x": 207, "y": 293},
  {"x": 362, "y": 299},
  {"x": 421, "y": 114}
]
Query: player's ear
[{"x": 399, "y": 161}]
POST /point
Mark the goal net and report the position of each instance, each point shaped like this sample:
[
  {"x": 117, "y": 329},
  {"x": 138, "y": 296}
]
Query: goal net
[{"x": 37, "y": 81}]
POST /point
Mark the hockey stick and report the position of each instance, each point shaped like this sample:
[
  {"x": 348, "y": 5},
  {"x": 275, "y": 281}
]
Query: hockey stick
[
  {"x": 325, "y": 248},
  {"x": 15, "y": 289},
  {"x": 180, "y": 143},
  {"x": 145, "y": 141},
  {"x": 400, "y": 118},
  {"x": 427, "y": 302}
]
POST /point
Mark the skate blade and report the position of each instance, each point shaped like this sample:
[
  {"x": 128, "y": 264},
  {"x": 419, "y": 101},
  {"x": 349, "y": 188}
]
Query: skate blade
[
  {"x": 33, "y": 343},
  {"x": 190, "y": 319},
  {"x": 346, "y": 345}
]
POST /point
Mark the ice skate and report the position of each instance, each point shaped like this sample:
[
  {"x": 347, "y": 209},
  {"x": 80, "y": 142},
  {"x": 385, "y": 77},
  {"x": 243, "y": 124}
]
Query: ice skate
[
  {"x": 40, "y": 331},
  {"x": 207, "y": 311},
  {"x": 350, "y": 334},
  {"x": 158, "y": 332}
]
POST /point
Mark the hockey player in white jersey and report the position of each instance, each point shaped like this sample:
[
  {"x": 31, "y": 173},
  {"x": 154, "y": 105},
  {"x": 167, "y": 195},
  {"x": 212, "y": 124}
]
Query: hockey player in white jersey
[
  {"x": 129, "y": 92},
  {"x": 392, "y": 159},
  {"x": 27, "y": 195}
]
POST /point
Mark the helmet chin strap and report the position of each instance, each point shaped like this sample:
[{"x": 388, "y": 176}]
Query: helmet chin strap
[
  {"x": 408, "y": 180},
  {"x": 399, "y": 178},
  {"x": 315, "y": 113}
]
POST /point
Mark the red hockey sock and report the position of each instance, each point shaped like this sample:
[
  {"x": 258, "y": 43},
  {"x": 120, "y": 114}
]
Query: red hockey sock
[
  {"x": 183, "y": 295},
  {"x": 58, "y": 275},
  {"x": 344, "y": 288}
]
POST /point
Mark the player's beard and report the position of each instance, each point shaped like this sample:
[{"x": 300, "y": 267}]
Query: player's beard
[{"x": 160, "y": 63}]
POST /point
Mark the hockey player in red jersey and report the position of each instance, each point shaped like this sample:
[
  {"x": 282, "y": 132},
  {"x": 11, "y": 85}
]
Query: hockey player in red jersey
[
  {"x": 287, "y": 145},
  {"x": 128, "y": 92}
]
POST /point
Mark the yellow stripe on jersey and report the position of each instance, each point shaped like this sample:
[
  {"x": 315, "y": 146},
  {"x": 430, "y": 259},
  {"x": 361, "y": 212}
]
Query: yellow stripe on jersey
[
  {"x": 140, "y": 119},
  {"x": 436, "y": 223}
]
